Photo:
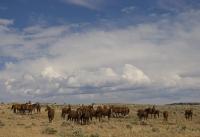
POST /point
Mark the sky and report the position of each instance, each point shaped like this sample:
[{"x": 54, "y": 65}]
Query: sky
[{"x": 111, "y": 51}]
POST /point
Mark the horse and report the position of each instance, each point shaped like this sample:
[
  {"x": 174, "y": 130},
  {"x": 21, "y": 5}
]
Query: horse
[
  {"x": 51, "y": 113},
  {"x": 65, "y": 111},
  {"x": 37, "y": 107},
  {"x": 142, "y": 114},
  {"x": 188, "y": 114},
  {"x": 165, "y": 115}
]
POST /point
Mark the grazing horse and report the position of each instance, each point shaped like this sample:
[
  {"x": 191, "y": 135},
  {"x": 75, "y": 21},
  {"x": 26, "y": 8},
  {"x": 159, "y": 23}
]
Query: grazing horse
[
  {"x": 51, "y": 113},
  {"x": 188, "y": 114},
  {"x": 165, "y": 115}
]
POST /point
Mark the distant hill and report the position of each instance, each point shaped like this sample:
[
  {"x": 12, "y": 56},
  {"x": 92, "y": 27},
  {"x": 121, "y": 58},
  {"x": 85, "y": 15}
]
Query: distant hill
[{"x": 185, "y": 103}]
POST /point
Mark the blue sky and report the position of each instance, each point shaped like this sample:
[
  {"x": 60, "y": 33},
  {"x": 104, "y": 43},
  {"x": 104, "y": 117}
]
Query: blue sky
[
  {"x": 82, "y": 51},
  {"x": 52, "y": 12}
]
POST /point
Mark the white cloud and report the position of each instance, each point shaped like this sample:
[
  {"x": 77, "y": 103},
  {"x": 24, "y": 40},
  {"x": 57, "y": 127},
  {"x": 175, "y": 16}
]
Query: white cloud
[
  {"x": 49, "y": 72},
  {"x": 128, "y": 10},
  {"x": 90, "y": 4},
  {"x": 133, "y": 74},
  {"x": 6, "y": 22},
  {"x": 97, "y": 78},
  {"x": 109, "y": 72},
  {"x": 139, "y": 62}
]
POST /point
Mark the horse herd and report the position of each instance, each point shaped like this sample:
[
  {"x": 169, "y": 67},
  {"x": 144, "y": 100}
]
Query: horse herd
[
  {"x": 85, "y": 113},
  {"x": 143, "y": 114},
  {"x": 26, "y": 108}
]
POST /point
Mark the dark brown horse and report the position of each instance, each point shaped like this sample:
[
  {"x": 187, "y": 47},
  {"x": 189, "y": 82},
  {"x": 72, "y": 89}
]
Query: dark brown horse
[
  {"x": 22, "y": 108},
  {"x": 142, "y": 114},
  {"x": 156, "y": 113},
  {"x": 118, "y": 111},
  {"x": 65, "y": 111},
  {"x": 16, "y": 108},
  {"x": 51, "y": 113},
  {"x": 37, "y": 107},
  {"x": 188, "y": 114},
  {"x": 165, "y": 115},
  {"x": 85, "y": 116},
  {"x": 153, "y": 112},
  {"x": 103, "y": 112},
  {"x": 74, "y": 116},
  {"x": 81, "y": 115}
]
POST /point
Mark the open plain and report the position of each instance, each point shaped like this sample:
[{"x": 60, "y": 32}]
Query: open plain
[{"x": 37, "y": 125}]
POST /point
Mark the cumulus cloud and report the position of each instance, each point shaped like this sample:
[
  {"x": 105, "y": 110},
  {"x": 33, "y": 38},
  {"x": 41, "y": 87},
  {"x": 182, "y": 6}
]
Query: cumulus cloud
[
  {"x": 139, "y": 62},
  {"x": 50, "y": 80},
  {"x": 133, "y": 74}
]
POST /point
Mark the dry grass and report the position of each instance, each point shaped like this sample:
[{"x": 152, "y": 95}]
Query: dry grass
[{"x": 36, "y": 125}]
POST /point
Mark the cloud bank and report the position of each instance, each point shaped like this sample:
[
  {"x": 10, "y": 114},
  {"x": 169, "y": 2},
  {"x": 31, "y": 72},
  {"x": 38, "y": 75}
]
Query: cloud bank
[{"x": 145, "y": 63}]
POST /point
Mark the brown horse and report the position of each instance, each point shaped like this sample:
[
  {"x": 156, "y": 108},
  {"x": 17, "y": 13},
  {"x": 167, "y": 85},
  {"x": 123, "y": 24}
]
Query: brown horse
[
  {"x": 102, "y": 112},
  {"x": 156, "y": 113},
  {"x": 118, "y": 111},
  {"x": 85, "y": 116},
  {"x": 153, "y": 112},
  {"x": 37, "y": 107},
  {"x": 142, "y": 114},
  {"x": 73, "y": 116},
  {"x": 16, "y": 108},
  {"x": 81, "y": 115},
  {"x": 65, "y": 111},
  {"x": 22, "y": 108},
  {"x": 165, "y": 115},
  {"x": 188, "y": 114},
  {"x": 51, "y": 113}
]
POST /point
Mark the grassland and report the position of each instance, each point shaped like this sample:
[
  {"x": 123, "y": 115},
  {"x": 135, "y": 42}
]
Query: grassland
[{"x": 36, "y": 125}]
